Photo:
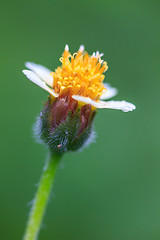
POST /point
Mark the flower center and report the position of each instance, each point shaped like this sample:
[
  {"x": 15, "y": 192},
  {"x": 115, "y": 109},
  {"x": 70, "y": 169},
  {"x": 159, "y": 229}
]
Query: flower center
[{"x": 80, "y": 74}]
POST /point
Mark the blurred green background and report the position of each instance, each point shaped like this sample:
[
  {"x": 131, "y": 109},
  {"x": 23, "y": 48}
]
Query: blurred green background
[{"x": 110, "y": 191}]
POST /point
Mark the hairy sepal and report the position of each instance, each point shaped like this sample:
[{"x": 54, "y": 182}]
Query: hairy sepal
[{"x": 70, "y": 131}]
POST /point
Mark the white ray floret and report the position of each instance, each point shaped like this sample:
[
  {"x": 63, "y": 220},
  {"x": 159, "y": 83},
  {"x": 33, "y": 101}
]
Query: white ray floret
[
  {"x": 37, "y": 80},
  {"x": 93, "y": 55},
  {"x": 111, "y": 92},
  {"x": 120, "y": 105},
  {"x": 81, "y": 48},
  {"x": 41, "y": 71},
  {"x": 67, "y": 48},
  {"x": 99, "y": 55}
]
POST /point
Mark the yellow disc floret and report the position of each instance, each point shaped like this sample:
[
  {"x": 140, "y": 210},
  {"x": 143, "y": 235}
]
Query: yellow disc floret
[{"x": 80, "y": 74}]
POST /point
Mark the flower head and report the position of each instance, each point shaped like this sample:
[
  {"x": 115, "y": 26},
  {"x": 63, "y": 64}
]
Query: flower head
[
  {"x": 80, "y": 77},
  {"x": 80, "y": 74},
  {"x": 76, "y": 89}
]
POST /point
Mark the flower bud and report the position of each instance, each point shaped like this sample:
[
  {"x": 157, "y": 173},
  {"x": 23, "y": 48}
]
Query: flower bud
[{"x": 64, "y": 125}]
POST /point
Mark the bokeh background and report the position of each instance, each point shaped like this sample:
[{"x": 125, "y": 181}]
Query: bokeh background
[{"x": 110, "y": 191}]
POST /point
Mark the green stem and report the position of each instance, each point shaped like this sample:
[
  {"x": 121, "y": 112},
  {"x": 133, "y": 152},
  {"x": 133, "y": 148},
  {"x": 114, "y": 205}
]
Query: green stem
[{"x": 41, "y": 198}]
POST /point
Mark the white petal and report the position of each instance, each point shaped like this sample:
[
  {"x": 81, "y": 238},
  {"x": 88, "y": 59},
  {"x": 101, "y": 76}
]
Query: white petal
[
  {"x": 120, "y": 105},
  {"x": 34, "y": 78},
  {"x": 111, "y": 92},
  {"x": 97, "y": 54},
  {"x": 93, "y": 55},
  {"x": 66, "y": 48},
  {"x": 101, "y": 55},
  {"x": 41, "y": 71},
  {"x": 85, "y": 100},
  {"x": 81, "y": 48}
]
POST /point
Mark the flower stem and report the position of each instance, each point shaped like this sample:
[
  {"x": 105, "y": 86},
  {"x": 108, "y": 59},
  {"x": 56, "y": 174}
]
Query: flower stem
[{"x": 41, "y": 198}]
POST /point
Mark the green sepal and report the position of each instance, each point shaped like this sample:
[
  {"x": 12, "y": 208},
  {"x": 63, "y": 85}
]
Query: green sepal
[
  {"x": 80, "y": 140},
  {"x": 66, "y": 135},
  {"x": 61, "y": 138}
]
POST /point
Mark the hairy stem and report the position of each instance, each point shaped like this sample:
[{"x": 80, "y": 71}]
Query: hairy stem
[{"x": 41, "y": 198}]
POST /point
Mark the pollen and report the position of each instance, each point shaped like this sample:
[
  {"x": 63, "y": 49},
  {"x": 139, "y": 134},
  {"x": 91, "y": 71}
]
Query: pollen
[{"x": 80, "y": 74}]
